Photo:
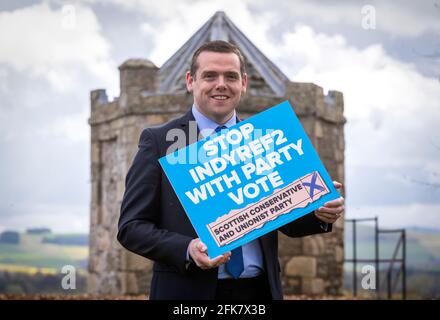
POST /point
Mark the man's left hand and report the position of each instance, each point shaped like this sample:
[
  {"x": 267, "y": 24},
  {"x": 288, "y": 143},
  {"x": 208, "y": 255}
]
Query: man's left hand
[{"x": 332, "y": 210}]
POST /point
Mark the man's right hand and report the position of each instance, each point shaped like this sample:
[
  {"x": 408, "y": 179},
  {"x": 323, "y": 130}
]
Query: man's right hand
[{"x": 197, "y": 250}]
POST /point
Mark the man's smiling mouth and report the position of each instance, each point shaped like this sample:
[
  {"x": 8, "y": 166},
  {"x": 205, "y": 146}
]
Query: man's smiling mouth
[{"x": 220, "y": 97}]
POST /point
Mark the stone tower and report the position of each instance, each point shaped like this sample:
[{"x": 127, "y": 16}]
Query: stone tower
[{"x": 150, "y": 96}]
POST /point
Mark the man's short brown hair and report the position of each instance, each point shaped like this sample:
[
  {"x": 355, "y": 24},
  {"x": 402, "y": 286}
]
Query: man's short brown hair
[{"x": 217, "y": 46}]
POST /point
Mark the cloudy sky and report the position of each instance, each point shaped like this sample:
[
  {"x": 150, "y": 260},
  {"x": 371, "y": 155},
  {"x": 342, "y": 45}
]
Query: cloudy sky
[{"x": 384, "y": 56}]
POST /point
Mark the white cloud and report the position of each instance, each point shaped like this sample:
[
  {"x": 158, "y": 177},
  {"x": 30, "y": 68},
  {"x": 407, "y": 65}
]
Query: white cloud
[
  {"x": 43, "y": 44},
  {"x": 392, "y": 110},
  {"x": 58, "y": 217},
  {"x": 407, "y": 18},
  {"x": 175, "y": 29},
  {"x": 393, "y": 117},
  {"x": 400, "y": 216},
  {"x": 170, "y": 23},
  {"x": 47, "y": 72},
  {"x": 74, "y": 127}
]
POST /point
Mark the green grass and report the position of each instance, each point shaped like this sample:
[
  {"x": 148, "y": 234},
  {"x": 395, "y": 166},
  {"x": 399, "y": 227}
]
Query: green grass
[
  {"x": 31, "y": 252},
  {"x": 30, "y": 270}
]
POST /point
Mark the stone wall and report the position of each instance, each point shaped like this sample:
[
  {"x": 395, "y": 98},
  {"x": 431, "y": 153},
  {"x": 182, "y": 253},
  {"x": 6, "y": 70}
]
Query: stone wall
[{"x": 310, "y": 265}]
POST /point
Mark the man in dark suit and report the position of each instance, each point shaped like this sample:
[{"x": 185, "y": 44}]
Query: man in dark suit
[{"x": 154, "y": 225}]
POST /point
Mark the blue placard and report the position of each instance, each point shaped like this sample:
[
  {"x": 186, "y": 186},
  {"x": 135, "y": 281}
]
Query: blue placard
[{"x": 249, "y": 179}]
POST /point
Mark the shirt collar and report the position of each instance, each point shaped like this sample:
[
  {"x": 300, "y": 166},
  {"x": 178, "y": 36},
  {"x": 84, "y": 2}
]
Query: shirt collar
[{"x": 208, "y": 126}]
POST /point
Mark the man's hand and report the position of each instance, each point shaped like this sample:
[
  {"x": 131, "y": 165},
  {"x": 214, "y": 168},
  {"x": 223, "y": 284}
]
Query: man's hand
[
  {"x": 197, "y": 251},
  {"x": 332, "y": 210}
]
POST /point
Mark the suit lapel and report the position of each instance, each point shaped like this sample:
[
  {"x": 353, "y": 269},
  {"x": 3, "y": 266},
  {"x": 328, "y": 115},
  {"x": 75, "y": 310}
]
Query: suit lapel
[{"x": 189, "y": 126}]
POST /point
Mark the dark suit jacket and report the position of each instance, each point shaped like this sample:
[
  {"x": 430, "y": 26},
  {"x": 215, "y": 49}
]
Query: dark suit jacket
[{"x": 153, "y": 224}]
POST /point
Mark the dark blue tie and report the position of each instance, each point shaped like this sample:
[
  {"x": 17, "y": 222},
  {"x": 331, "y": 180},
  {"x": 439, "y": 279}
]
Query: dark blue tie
[
  {"x": 235, "y": 265},
  {"x": 220, "y": 128}
]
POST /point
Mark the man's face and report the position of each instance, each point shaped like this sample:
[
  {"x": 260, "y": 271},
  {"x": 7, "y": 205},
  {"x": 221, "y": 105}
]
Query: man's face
[{"x": 218, "y": 85}]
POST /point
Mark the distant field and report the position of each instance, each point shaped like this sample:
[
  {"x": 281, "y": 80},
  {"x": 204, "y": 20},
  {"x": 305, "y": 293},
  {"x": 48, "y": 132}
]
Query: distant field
[
  {"x": 27, "y": 269},
  {"x": 34, "y": 266},
  {"x": 32, "y": 254},
  {"x": 422, "y": 249},
  {"x": 422, "y": 259}
]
